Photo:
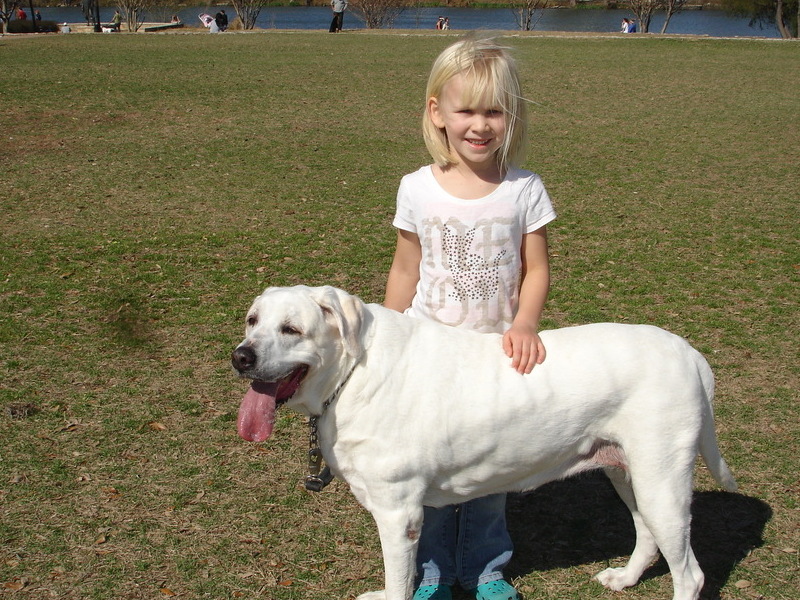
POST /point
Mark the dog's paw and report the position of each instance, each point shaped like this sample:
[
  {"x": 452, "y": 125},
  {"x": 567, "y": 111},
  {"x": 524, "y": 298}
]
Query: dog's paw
[
  {"x": 615, "y": 579},
  {"x": 373, "y": 596}
]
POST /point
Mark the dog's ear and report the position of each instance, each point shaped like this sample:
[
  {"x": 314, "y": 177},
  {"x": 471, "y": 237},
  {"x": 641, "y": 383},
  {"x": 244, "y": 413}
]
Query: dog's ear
[{"x": 347, "y": 311}]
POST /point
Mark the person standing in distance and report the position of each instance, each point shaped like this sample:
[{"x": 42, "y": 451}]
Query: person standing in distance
[{"x": 338, "y": 7}]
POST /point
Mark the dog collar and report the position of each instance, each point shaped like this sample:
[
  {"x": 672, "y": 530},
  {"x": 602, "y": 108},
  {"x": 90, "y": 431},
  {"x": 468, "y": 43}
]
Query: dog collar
[{"x": 318, "y": 477}]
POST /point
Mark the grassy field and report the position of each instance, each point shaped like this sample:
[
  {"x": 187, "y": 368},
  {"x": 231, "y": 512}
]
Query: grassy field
[{"x": 153, "y": 185}]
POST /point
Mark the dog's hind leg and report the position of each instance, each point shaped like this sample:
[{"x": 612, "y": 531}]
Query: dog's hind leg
[
  {"x": 645, "y": 550},
  {"x": 399, "y": 530},
  {"x": 664, "y": 502}
]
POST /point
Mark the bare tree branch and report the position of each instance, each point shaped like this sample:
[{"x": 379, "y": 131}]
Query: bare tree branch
[
  {"x": 133, "y": 12},
  {"x": 671, "y": 7},
  {"x": 248, "y": 11},
  {"x": 644, "y": 9},
  {"x": 528, "y": 13},
  {"x": 377, "y": 14}
]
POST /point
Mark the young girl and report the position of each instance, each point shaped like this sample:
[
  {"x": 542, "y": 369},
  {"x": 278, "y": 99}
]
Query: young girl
[{"x": 472, "y": 252}]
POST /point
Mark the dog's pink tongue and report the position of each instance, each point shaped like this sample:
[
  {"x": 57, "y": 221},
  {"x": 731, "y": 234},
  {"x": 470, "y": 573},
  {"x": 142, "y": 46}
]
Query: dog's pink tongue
[{"x": 257, "y": 412}]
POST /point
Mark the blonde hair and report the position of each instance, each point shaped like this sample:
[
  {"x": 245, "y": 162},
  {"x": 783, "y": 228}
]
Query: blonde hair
[{"x": 491, "y": 74}]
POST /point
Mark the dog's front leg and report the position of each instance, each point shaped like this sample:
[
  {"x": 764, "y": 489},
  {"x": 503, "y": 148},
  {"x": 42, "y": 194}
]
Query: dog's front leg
[{"x": 399, "y": 530}]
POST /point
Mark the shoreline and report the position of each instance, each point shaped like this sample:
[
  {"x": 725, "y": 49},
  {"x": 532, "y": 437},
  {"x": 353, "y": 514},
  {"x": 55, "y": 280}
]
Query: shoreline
[
  {"x": 572, "y": 4},
  {"x": 584, "y": 20},
  {"x": 82, "y": 28}
]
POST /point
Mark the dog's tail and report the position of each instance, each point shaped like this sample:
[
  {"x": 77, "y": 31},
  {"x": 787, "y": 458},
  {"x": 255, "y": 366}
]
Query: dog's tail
[{"x": 709, "y": 448}]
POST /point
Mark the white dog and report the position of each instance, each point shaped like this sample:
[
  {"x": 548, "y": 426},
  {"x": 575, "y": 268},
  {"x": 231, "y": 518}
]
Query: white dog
[{"x": 412, "y": 413}]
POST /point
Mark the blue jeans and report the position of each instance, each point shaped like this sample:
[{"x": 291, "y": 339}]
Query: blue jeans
[{"x": 467, "y": 543}]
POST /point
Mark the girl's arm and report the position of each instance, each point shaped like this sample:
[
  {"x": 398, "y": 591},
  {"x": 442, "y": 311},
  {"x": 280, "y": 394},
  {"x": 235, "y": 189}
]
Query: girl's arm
[
  {"x": 401, "y": 284},
  {"x": 521, "y": 342}
]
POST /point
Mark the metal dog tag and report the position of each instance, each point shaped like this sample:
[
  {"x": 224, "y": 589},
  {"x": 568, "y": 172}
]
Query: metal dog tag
[{"x": 314, "y": 461}]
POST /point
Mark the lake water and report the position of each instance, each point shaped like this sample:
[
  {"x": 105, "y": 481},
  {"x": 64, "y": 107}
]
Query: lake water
[{"x": 697, "y": 22}]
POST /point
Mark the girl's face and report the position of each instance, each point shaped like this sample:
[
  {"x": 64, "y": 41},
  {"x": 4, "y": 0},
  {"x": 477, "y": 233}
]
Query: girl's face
[{"x": 475, "y": 128}]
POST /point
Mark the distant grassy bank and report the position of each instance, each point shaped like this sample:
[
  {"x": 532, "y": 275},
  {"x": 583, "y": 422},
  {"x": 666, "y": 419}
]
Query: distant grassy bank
[{"x": 153, "y": 185}]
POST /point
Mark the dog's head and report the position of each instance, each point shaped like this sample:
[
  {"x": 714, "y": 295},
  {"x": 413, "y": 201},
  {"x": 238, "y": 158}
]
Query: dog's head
[{"x": 299, "y": 344}]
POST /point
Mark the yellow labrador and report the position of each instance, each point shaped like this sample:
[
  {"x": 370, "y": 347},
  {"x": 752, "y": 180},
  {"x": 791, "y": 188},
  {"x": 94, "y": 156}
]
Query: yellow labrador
[{"x": 412, "y": 413}]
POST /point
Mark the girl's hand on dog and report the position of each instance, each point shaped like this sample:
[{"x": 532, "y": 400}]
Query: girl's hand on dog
[{"x": 524, "y": 347}]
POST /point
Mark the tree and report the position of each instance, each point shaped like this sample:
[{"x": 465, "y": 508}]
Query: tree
[
  {"x": 377, "y": 14},
  {"x": 784, "y": 14},
  {"x": 133, "y": 12},
  {"x": 671, "y": 8},
  {"x": 248, "y": 11},
  {"x": 91, "y": 12},
  {"x": 7, "y": 8},
  {"x": 643, "y": 11},
  {"x": 527, "y": 13}
]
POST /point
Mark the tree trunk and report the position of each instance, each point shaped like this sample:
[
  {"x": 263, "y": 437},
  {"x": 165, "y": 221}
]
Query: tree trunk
[
  {"x": 33, "y": 17},
  {"x": 784, "y": 31}
]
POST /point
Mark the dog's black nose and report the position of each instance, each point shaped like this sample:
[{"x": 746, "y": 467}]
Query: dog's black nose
[{"x": 243, "y": 358}]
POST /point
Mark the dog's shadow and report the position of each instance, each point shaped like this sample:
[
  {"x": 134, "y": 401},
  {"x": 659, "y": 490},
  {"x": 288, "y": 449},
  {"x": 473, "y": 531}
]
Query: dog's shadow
[{"x": 582, "y": 520}]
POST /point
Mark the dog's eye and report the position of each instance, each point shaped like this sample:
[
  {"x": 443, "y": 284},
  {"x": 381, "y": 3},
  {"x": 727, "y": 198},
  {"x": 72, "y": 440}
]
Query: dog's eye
[
  {"x": 252, "y": 320},
  {"x": 288, "y": 329}
]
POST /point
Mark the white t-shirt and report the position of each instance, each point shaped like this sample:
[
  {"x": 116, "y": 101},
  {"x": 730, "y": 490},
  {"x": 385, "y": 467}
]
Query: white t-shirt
[{"x": 471, "y": 262}]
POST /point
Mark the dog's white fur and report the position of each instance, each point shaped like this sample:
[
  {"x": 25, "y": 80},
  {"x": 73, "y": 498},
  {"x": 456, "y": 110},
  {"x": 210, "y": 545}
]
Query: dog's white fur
[{"x": 433, "y": 415}]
